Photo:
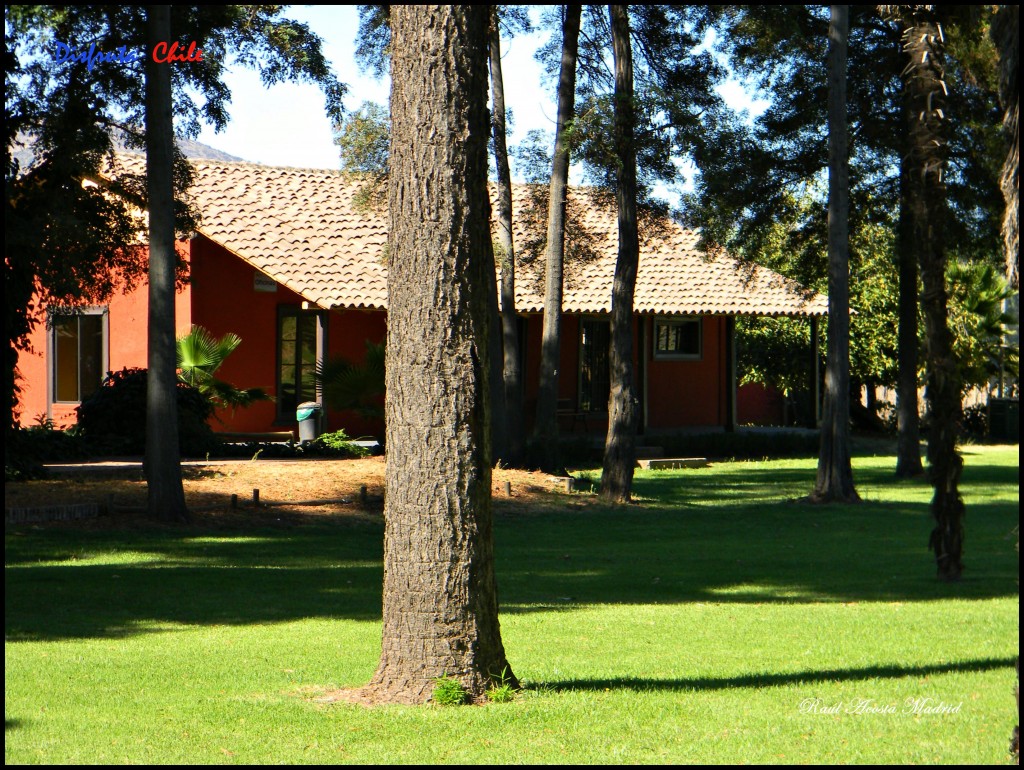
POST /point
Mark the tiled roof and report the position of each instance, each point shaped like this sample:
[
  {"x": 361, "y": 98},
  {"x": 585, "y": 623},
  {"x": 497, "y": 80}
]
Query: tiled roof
[{"x": 304, "y": 229}]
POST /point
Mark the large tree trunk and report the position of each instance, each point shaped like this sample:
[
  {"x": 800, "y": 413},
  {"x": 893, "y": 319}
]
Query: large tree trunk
[
  {"x": 908, "y": 418},
  {"x": 546, "y": 428},
  {"x": 928, "y": 151},
  {"x": 440, "y": 597},
  {"x": 620, "y": 443},
  {"x": 512, "y": 373},
  {"x": 1006, "y": 34},
  {"x": 835, "y": 473},
  {"x": 163, "y": 460}
]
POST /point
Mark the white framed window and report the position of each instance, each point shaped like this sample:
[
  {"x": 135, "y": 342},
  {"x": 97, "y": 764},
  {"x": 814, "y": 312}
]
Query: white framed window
[
  {"x": 678, "y": 338},
  {"x": 78, "y": 353}
]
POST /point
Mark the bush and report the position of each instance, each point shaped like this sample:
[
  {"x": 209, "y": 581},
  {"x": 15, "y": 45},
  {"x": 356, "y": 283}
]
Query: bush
[
  {"x": 28, "y": 448},
  {"x": 113, "y": 418},
  {"x": 974, "y": 423}
]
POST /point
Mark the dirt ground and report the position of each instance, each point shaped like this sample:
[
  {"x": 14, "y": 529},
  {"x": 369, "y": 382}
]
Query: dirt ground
[{"x": 290, "y": 492}]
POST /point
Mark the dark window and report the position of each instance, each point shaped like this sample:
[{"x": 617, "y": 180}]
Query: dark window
[
  {"x": 79, "y": 360},
  {"x": 595, "y": 339},
  {"x": 677, "y": 338},
  {"x": 299, "y": 350}
]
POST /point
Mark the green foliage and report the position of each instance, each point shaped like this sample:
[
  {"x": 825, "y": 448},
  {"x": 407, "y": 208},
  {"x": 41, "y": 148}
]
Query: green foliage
[
  {"x": 977, "y": 294},
  {"x": 337, "y": 443},
  {"x": 70, "y": 245},
  {"x": 501, "y": 690},
  {"x": 364, "y": 140},
  {"x": 356, "y": 387},
  {"x": 448, "y": 692},
  {"x": 200, "y": 355},
  {"x": 29, "y": 448},
  {"x": 113, "y": 418}
]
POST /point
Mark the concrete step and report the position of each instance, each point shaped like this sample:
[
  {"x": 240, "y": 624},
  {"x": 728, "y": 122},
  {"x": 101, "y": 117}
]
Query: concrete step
[{"x": 674, "y": 462}]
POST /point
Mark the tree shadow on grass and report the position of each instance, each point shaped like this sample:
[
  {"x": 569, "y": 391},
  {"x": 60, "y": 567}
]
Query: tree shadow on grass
[
  {"x": 679, "y": 548},
  {"x": 759, "y": 681}
]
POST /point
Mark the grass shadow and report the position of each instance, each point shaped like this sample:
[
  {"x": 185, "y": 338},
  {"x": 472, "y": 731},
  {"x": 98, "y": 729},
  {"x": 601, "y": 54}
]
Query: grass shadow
[
  {"x": 727, "y": 534},
  {"x": 759, "y": 681}
]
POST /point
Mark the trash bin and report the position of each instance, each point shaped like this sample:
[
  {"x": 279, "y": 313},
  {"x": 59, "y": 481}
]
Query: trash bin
[{"x": 308, "y": 415}]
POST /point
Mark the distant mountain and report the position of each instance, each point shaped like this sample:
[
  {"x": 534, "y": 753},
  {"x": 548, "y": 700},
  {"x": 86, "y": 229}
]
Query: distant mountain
[{"x": 193, "y": 150}]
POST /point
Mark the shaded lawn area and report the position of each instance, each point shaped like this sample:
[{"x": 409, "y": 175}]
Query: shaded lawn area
[{"x": 714, "y": 621}]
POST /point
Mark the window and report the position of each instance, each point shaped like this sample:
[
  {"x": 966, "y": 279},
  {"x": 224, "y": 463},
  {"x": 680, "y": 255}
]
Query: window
[
  {"x": 79, "y": 360},
  {"x": 678, "y": 338},
  {"x": 595, "y": 379},
  {"x": 300, "y": 346}
]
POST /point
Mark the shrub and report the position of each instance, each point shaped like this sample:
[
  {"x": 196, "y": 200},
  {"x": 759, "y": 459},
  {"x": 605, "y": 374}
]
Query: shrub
[
  {"x": 113, "y": 418},
  {"x": 448, "y": 692},
  {"x": 974, "y": 423}
]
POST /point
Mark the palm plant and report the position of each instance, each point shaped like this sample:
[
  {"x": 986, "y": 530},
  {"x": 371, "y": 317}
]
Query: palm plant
[
  {"x": 979, "y": 320},
  {"x": 200, "y": 355},
  {"x": 355, "y": 387}
]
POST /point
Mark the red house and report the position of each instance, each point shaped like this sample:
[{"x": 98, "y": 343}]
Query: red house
[{"x": 292, "y": 261}]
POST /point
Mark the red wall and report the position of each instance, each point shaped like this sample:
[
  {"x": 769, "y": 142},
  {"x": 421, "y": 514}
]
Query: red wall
[
  {"x": 225, "y": 300},
  {"x": 127, "y": 322},
  {"x": 758, "y": 405},
  {"x": 683, "y": 394},
  {"x": 680, "y": 394},
  {"x": 222, "y": 297}
]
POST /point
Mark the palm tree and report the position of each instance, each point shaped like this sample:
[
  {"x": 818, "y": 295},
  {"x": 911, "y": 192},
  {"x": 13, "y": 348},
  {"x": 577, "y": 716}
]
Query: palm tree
[
  {"x": 200, "y": 355},
  {"x": 358, "y": 387}
]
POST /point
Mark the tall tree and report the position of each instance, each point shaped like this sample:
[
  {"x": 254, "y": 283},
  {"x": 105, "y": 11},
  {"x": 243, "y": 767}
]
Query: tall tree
[
  {"x": 74, "y": 107},
  {"x": 1006, "y": 34},
  {"x": 835, "y": 472},
  {"x": 546, "y": 427},
  {"x": 440, "y": 598},
  {"x": 511, "y": 370},
  {"x": 166, "y": 494},
  {"x": 620, "y": 444},
  {"x": 908, "y": 420},
  {"x": 926, "y": 88}
]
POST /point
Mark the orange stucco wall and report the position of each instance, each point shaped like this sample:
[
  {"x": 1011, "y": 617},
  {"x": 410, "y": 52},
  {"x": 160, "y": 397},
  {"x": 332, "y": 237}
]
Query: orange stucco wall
[
  {"x": 683, "y": 394},
  {"x": 224, "y": 297},
  {"x": 680, "y": 394},
  {"x": 127, "y": 320}
]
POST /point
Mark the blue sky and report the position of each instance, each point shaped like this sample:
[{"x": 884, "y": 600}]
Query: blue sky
[{"x": 286, "y": 125}]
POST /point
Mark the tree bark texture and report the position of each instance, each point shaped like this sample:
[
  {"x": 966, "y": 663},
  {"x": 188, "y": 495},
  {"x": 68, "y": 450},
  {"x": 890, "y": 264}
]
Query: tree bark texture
[
  {"x": 623, "y": 405},
  {"x": 1006, "y": 35},
  {"x": 512, "y": 375},
  {"x": 166, "y": 496},
  {"x": 835, "y": 472},
  {"x": 908, "y": 414},
  {"x": 926, "y": 91},
  {"x": 440, "y": 597},
  {"x": 546, "y": 428}
]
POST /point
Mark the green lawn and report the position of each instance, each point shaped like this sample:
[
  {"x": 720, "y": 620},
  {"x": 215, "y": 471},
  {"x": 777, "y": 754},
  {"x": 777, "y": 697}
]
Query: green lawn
[{"x": 714, "y": 622}]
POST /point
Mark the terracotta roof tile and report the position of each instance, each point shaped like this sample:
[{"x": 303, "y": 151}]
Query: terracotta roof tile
[{"x": 303, "y": 228}]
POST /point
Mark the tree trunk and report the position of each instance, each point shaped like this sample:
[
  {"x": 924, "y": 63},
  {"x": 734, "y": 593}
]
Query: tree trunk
[
  {"x": 908, "y": 415},
  {"x": 546, "y": 429},
  {"x": 835, "y": 473},
  {"x": 1006, "y": 35},
  {"x": 166, "y": 496},
  {"x": 512, "y": 373},
  {"x": 620, "y": 443},
  {"x": 440, "y": 597},
  {"x": 928, "y": 151}
]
